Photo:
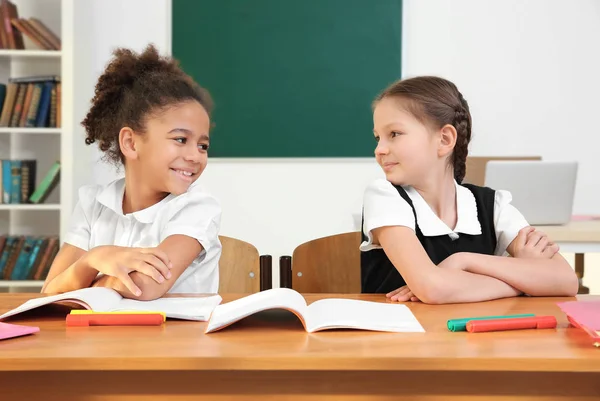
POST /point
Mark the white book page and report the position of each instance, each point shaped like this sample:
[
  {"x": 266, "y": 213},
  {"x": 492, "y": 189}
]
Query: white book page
[
  {"x": 188, "y": 308},
  {"x": 97, "y": 299},
  {"x": 277, "y": 298},
  {"x": 355, "y": 314}
]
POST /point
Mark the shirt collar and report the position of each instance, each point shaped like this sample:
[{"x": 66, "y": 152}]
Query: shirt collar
[
  {"x": 431, "y": 225},
  {"x": 112, "y": 197}
]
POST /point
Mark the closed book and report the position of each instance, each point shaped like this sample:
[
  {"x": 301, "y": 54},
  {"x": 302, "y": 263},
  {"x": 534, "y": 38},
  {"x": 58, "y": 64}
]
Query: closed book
[
  {"x": 12, "y": 258},
  {"x": 7, "y": 249},
  {"x": 39, "y": 255},
  {"x": 19, "y": 272},
  {"x": 6, "y": 181},
  {"x": 15, "y": 179},
  {"x": 44, "y": 108},
  {"x": 28, "y": 175},
  {"x": 26, "y": 105},
  {"x": 35, "y": 105},
  {"x": 9, "y": 104},
  {"x": 48, "y": 183},
  {"x": 19, "y": 103},
  {"x": 46, "y": 32}
]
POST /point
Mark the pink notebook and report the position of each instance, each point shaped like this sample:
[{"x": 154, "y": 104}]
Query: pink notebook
[
  {"x": 584, "y": 315},
  {"x": 14, "y": 330}
]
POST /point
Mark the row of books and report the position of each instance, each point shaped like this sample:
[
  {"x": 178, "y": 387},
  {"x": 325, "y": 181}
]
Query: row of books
[
  {"x": 17, "y": 181},
  {"x": 31, "y": 102},
  {"x": 12, "y": 29},
  {"x": 26, "y": 257}
]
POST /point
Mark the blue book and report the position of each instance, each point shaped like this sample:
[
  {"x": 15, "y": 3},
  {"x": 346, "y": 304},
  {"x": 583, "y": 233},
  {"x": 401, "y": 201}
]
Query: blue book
[
  {"x": 15, "y": 179},
  {"x": 44, "y": 107},
  {"x": 8, "y": 247},
  {"x": 20, "y": 270},
  {"x": 6, "y": 181},
  {"x": 35, "y": 254}
]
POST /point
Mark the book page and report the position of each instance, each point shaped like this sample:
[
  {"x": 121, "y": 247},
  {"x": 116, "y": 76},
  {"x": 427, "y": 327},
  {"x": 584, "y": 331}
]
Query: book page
[
  {"x": 188, "y": 308},
  {"x": 365, "y": 315},
  {"x": 276, "y": 298},
  {"x": 97, "y": 299}
]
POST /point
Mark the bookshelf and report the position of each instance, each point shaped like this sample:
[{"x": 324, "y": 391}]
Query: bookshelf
[{"x": 45, "y": 145}]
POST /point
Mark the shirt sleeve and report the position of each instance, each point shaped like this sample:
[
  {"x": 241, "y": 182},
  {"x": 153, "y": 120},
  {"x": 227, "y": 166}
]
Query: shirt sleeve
[
  {"x": 81, "y": 220},
  {"x": 383, "y": 206},
  {"x": 508, "y": 221},
  {"x": 196, "y": 215}
]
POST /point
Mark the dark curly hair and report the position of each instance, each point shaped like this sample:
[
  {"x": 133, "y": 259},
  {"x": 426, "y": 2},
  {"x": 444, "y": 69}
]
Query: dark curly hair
[
  {"x": 132, "y": 87},
  {"x": 437, "y": 101}
]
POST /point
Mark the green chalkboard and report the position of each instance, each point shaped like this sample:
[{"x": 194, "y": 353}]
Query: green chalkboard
[{"x": 290, "y": 78}]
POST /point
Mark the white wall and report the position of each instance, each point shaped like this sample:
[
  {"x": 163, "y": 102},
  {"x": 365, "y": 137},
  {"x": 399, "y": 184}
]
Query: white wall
[
  {"x": 100, "y": 27},
  {"x": 528, "y": 69}
]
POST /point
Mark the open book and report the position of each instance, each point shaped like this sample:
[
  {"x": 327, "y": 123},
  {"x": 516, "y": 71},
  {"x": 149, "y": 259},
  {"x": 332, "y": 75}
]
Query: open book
[
  {"x": 331, "y": 313},
  {"x": 101, "y": 299}
]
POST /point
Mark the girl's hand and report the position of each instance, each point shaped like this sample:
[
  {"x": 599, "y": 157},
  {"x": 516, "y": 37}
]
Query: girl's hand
[
  {"x": 531, "y": 243},
  {"x": 402, "y": 294},
  {"x": 119, "y": 261}
]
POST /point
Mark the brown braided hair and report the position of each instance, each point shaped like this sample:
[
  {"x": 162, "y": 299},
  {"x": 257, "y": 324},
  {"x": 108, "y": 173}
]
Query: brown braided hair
[
  {"x": 437, "y": 101},
  {"x": 132, "y": 88}
]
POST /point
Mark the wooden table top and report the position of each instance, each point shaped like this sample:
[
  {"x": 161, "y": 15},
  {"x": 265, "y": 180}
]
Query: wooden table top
[
  {"x": 277, "y": 340},
  {"x": 574, "y": 231}
]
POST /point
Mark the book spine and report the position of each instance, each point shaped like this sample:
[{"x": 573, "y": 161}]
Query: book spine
[
  {"x": 22, "y": 261},
  {"x": 8, "y": 247},
  {"x": 44, "y": 109},
  {"x": 6, "y": 181},
  {"x": 52, "y": 122},
  {"x": 47, "y": 184},
  {"x": 28, "y": 174},
  {"x": 39, "y": 254},
  {"x": 12, "y": 258},
  {"x": 45, "y": 32},
  {"x": 35, "y": 105},
  {"x": 15, "y": 190},
  {"x": 9, "y": 103},
  {"x": 26, "y": 105},
  {"x": 20, "y": 100}
]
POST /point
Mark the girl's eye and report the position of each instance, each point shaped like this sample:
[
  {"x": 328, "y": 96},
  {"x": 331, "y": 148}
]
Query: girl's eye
[
  {"x": 395, "y": 134},
  {"x": 203, "y": 146},
  {"x": 180, "y": 140},
  {"x": 376, "y": 139}
]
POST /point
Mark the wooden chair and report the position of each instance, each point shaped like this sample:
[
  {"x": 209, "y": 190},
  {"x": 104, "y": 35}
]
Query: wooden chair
[
  {"x": 325, "y": 265},
  {"x": 241, "y": 269},
  {"x": 475, "y": 173}
]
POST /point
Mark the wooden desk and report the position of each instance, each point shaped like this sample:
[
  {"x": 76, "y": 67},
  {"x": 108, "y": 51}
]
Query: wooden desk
[
  {"x": 578, "y": 237},
  {"x": 271, "y": 357}
]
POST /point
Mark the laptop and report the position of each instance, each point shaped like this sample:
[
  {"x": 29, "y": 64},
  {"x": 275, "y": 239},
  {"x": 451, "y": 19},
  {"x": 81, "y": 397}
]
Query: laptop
[{"x": 543, "y": 191}]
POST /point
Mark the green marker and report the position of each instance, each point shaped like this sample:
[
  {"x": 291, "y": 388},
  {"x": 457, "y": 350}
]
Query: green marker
[{"x": 461, "y": 324}]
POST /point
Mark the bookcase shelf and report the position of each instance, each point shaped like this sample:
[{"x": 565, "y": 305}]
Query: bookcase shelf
[
  {"x": 29, "y": 207},
  {"x": 43, "y": 131},
  {"x": 57, "y": 54},
  {"x": 34, "y": 222}
]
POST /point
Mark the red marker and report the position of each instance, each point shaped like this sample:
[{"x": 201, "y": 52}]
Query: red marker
[
  {"x": 100, "y": 319},
  {"x": 533, "y": 322}
]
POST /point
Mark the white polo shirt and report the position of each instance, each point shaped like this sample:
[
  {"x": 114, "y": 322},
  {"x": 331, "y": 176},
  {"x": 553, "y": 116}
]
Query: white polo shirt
[
  {"x": 383, "y": 206},
  {"x": 98, "y": 219}
]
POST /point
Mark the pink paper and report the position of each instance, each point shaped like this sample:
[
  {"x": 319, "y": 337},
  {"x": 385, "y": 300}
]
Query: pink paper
[
  {"x": 12, "y": 330},
  {"x": 586, "y": 313}
]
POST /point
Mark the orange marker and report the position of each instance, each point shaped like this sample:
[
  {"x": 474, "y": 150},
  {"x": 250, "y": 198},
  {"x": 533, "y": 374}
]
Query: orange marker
[
  {"x": 534, "y": 322},
  {"x": 101, "y": 319}
]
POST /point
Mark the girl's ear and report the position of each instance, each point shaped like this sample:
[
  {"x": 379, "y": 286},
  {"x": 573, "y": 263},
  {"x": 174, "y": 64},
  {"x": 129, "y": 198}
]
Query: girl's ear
[
  {"x": 127, "y": 143},
  {"x": 448, "y": 137}
]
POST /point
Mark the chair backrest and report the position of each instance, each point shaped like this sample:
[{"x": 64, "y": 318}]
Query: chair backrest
[
  {"x": 475, "y": 173},
  {"x": 239, "y": 267},
  {"x": 328, "y": 265}
]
